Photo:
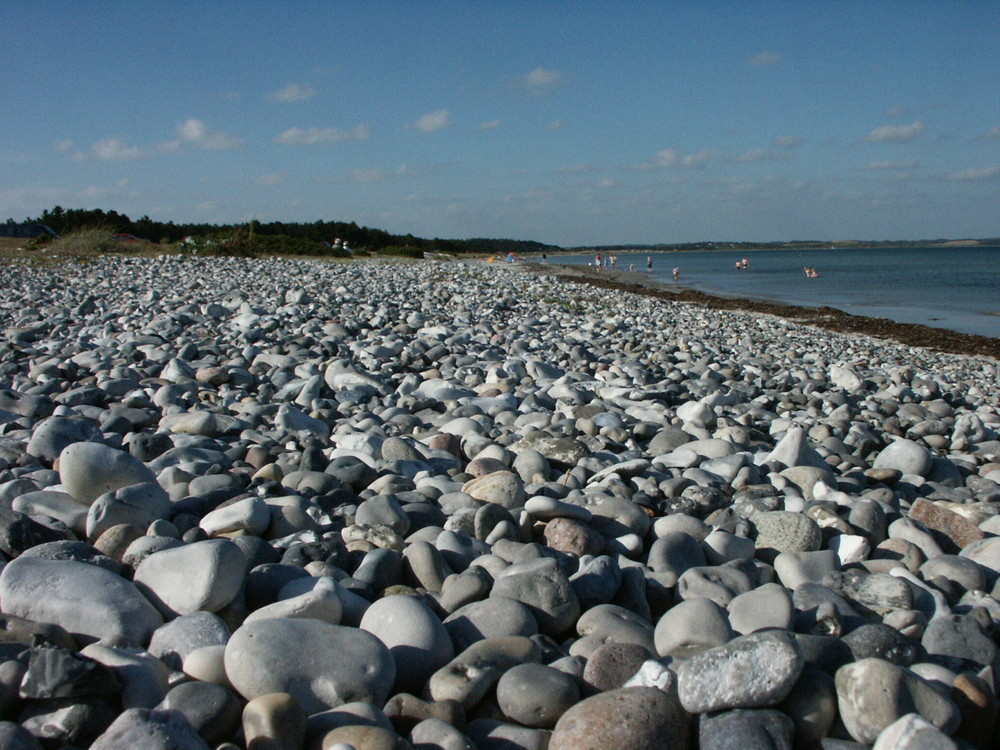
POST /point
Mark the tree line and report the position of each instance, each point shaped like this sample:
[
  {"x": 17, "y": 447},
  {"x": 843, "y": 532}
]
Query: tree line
[{"x": 65, "y": 221}]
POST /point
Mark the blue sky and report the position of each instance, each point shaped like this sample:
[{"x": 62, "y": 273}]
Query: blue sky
[{"x": 571, "y": 123}]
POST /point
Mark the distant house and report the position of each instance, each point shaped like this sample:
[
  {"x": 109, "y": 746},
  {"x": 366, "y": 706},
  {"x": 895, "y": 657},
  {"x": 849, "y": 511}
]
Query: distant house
[{"x": 25, "y": 231}]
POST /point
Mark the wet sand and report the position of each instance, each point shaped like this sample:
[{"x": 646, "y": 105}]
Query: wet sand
[{"x": 938, "y": 339}]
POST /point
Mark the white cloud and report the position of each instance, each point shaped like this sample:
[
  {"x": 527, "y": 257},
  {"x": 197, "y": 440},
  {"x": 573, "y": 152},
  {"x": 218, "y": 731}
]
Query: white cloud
[
  {"x": 790, "y": 141},
  {"x": 433, "y": 121},
  {"x": 976, "y": 174},
  {"x": 115, "y": 149},
  {"x": 197, "y": 133},
  {"x": 896, "y": 112},
  {"x": 367, "y": 174},
  {"x": 895, "y": 133},
  {"x": 992, "y": 134},
  {"x": 491, "y": 125},
  {"x": 760, "y": 154},
  {"x": 322, "y": 136},
  {"x": 293, "y": 92},
  {"x": 63, "y": 145},
  {"x": 891, "y": 165},
  {"x": 766, "y": 59},
  {"x": 275, "y": 178},
  {"x": 555, "y": 125},
  {"x": 668, "y": 158},
  {"x": 541, "y": 80}
]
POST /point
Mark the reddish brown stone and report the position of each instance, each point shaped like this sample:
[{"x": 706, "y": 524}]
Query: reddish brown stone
[
  {"x": 960, "y": 530},
  {"x": 573, "y": 537},
  {"x": 445, "y": 441}
]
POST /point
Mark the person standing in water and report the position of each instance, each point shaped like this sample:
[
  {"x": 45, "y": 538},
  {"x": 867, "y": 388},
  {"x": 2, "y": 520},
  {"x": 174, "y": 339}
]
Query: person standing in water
[
  {"x": 677, "y": 273},
  {"x": 649, "y": 264}
]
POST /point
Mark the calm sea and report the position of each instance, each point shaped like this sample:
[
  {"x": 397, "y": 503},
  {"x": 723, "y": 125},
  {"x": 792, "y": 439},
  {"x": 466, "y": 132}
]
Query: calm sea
[{"x": 948, "y": 287}]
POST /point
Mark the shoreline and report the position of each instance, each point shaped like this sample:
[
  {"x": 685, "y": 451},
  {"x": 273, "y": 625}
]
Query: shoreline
[{"x": 828, "y": 318}]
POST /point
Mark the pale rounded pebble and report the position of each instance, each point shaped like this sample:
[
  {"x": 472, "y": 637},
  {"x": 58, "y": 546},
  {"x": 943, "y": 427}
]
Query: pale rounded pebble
[
  {"x": 545, "y": 590},
  {"x": 329, "y": 665},
  {"x": 495, "y": 617},
  {"x": 82, "y": 598},
  {"x": 471, "y": 674},
  {"x": 873, "y": 693},
  {"x": 913, "y": 732},
  {"x": 207, "y": 664},
  {"x": 536, "y": 695},
  {"x": 416, "y": 638},
  {"x": 88, "y": 470},
  {"x": 636, "y": 718},
  {"x": 275, "y": 720},
  {"x": 203, "y": 576},
  {"x": 752, "y": 671},
  {"x": 692, "y": 626},
  {"x": 321, "y": 602}
]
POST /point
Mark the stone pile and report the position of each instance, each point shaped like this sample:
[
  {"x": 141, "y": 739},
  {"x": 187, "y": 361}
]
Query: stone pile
[{"x": 295, "y": 504}]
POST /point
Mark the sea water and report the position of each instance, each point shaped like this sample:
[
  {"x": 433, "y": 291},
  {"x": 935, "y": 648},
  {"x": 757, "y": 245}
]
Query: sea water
[{"x": 957, "y": 288}]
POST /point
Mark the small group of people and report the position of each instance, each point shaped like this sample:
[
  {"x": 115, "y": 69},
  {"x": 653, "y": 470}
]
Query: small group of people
[
  {"x": 742, "y": 264},
  {"x": 609, "y": 261},
  {"x": 811, "y": 273}
]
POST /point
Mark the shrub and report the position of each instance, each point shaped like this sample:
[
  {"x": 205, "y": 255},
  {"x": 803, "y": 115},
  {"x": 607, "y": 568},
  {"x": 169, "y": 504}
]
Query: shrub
[{"x": 402, "y": 251}]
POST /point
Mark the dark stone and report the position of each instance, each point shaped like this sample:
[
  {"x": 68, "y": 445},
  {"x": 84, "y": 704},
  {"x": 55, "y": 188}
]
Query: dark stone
[
  {"x": 265, "y": 581},
  {"x": 18, "y": 533},
  {"x": 331, "y": 551},
  {"x": 73, "y": 722},
  {"x": 55, "y": 672},
  {"x": 214, "y": 711},
  {"x": 959, "y": 637},
  {"x": 883, "y": 642},
  {"x": 743, "y": 729},
  {"x": 610, "y": 666},
  {"x": 149, "y": 445},
  {"x": 77, "y": 551}
]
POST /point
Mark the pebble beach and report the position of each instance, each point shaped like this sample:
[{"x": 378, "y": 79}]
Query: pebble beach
[{"x": 452, "y": 505}]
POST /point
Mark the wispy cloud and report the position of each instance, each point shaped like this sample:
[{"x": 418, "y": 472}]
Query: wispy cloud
[
  {"x": 790, "y": 141},
  {"x": 433, "y": 121},
  {"x": 895, "y": 133},
  {"x": 115, "y": 149},
  {"x": 62, "y": 146},
  {"x": 491, "y": 125},
  {"x": 197, "y": 133},
  {"x": 669, "y": 158},
  {"x": 891, "y": 165},
  {"x": 541, "y": 80},
  {"x": 373, "y": 174},
  {"x": 555, "y": 125},
  {"x": 275, "y": 178},
  {"x": 760, "y": 154},
  {"x": 897, "y": 112},
  {"x": 322, "y": 136},
  {"x": 765, "y": 59},
  {"x": 991, "y": 135},
  {"x": 293, "y": 92},
  {"x": 976, "y": 174}
]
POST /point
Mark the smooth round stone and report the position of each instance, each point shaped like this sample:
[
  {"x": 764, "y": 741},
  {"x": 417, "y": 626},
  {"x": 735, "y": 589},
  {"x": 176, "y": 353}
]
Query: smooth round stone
[
  {"x": 536, "y": 695},
  {"x": 959, "y": 637},
  {"x": 207, "y": 664},
  {"x": 596, "y": 581},
  {"x": 15, "y": 737},
  {"x": 150, "y": 730},
  {"x": 319, "y": 664},
  {"x": 692, "y": 626},
  {"x": 610, "y": 666},
  {"x": 175, "y": 640},
  {"x": 250, "y": 515},
  {"x": 84, "y": 599},
  {"x": 495, "y": 617},
  {"x": 609, "y": 623},
  {"x": 53, "y": 434},
  {"x": 488, "y": 733},
  {"x": 88, "y": 470},
  {"x": 769, "y": 606},
  {"x": 545, "y": 590},
  {"x": 505, "y": 488},
  {"x": 635, "y": 718},
  {"x": 905, "y": 456},
  {"x": 681, "y": 523},
  {"x": 383, "y": 510},
  {"x": 761, "y": 729},
  {"x": 573, "y": 537},
  {"x": 435, "y": 734},
  {"x": 145, "y": 546},
  {"x": 783, "y": 531},
  {"x": 275, "y": 721},
  {"x": 546, "y": 508},
  {"x": 795, "y": 568},
  {"x": 469, "y": 676},
  {"x": 675, "y": 552},
  {"x": 720, "y": 583},
  {"x": 54, "y": 504},
  {"x": 960, "y": 570},
  {"x": 873, "y": 693},
  {"x": 321, "y": 602},
  {"x": 213, "y": 710},
  {"x": 752, "y": 671},
  {"x": 986, "y": 552},
  {"x": 203, "y": 576},
  {"x": 144, "y": 678},
  {"x": 363, "y": 738},
  {"x": 812, "y": 706},
  {"x": 137, "y": 505},
  {"x": 912, "y": 732},
  {"x": 416, "y": 638},
  {"x": 883, "y": 642},
  {"x": 721, "y": 547}
]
